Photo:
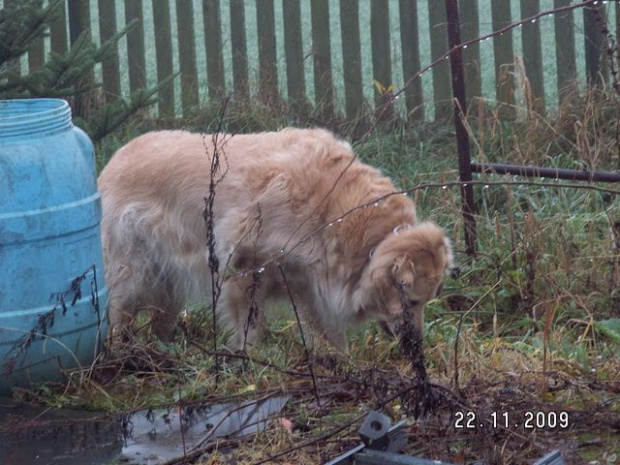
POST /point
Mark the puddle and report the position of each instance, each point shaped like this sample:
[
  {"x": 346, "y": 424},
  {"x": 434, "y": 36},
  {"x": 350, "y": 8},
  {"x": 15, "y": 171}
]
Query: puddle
[
  {"x": 31, "y": 435},
  {"x": 158, "y": 436}
]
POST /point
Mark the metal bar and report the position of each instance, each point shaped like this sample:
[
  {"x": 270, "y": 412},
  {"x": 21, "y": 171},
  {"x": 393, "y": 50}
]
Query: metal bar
[
  {"x": 462, "y": 138},
  {"x": 376, "y": 457},
  {"x": 552, "y": 458},
  {"x": 554, "y": 173},
  {"x": 348, "y": 457}
]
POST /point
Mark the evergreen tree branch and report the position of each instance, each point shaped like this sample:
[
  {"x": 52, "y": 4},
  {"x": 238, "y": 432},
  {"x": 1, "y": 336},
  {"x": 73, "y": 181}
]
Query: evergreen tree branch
[{"x": 62, "y": 75}]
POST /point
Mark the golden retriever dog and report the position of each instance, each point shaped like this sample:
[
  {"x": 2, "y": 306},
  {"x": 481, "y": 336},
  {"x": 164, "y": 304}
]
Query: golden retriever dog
[{"x": 295, "y": 215}]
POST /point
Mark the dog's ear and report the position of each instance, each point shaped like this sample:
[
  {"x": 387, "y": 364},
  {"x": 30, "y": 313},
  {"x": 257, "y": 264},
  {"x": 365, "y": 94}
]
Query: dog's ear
[{"x": 403, "y": 271}]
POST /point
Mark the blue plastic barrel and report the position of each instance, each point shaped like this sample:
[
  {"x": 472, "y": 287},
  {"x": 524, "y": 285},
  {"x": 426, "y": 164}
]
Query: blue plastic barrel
[{"x": 52, "y": 290}]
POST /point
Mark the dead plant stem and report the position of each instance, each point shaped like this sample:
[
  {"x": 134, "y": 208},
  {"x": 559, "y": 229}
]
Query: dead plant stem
[
  {"x": 215, "y": 178},
  {"x": 303, "y": 338}
]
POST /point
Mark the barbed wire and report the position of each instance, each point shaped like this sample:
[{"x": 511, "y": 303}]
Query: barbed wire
[
  {"x": 284, "y": 252},
  {"x": 498, "y": 32}
]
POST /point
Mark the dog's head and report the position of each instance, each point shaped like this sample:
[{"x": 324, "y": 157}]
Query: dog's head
[{"x": 405, "y": 271}]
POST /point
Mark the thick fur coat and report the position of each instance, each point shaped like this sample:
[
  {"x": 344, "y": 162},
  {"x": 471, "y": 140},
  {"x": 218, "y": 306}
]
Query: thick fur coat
[{"x": 296, "y": 215}]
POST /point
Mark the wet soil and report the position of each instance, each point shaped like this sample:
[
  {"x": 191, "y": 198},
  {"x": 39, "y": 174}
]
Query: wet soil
[{"x": 35, "y": 435}]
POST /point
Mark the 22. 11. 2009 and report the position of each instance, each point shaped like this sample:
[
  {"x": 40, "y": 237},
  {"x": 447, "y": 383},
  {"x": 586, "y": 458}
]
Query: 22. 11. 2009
[{"x": 527, "y": 420}]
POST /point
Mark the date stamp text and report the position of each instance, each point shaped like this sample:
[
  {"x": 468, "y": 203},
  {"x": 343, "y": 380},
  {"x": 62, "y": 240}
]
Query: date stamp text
[{"x": 470, "y": 420}]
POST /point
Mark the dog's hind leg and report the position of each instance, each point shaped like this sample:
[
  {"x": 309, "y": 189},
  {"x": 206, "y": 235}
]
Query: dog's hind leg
[
  {"x": 166, "y": 309},
  {"x": 123, "y": 301},
  {"x": 124, "y": 304}
]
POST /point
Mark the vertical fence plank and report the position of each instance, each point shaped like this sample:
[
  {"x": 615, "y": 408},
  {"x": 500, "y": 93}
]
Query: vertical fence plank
[
  {"x": 470, "y": 29},
  {"x": 565, "y": 50},
  {"x": 213, "y": 45},
  {"x": 79, "y": 18},
  {"x": 321, "y": 52},
  {"x": 109, "y": 68},
  {"x": 293, "y": 48},
  {"x": 593, "y": 44},
  {"x": 135, "y": 45},
  {"x": 381, "y": 57},
  {"x": 58, "y": 30},
  {"x": 380, "y": 30},
  {"x": 617, "y": 23},
  {"x": 163, "y": 54},
  {"x": 504, "y": 60},
  {"x": 352, "y": 59},
  {"x": 239, "y": 46},
  {"x": 14, "y": 65},
  {"x": 414, "y": 98},
  {"x": 36, "y": 51},
  {"x": 79, "y": 23},
  {"x": 441, "y": 72},
  {"x": 187, "y": 55},
  {"x": 532, "y": 56},
  {"x": 267, "y": 55}
]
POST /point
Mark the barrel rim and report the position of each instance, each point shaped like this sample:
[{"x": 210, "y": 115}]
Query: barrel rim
[{"x": 21, "y": 118}]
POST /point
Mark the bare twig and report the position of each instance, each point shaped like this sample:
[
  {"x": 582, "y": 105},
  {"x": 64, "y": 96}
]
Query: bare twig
[
  {"x": 46, "y": 320},
  {"x": 215, "y": 178},
  {"x": 412, "y": 346},
  {"x": 434, "y": 185},
  {"x": 303, "y": 338}
]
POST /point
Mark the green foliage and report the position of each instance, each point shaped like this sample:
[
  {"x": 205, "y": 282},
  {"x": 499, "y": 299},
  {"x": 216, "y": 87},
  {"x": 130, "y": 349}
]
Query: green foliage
[
  {"x": 610, "y": 328},
  {"x": 20, "y": 24},
  {"x": 107, "y": 118},
  {"x": 63, "y": 75}
]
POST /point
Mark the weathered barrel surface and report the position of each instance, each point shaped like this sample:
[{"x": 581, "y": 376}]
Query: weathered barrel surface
[{"x": 52, "y": 290}]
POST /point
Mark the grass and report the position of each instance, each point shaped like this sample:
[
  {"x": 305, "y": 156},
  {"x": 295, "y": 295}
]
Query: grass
[{"x": 530, "y": 324}]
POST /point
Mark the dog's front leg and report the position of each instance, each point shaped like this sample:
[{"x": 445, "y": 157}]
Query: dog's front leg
[
  {"x": 339, "y": 341},
  {"x": 334, "y": 334},
  {"x": 241, "y": 308}
]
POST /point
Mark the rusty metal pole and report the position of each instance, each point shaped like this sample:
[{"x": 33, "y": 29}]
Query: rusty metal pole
[{"x": 462, "y": 138}]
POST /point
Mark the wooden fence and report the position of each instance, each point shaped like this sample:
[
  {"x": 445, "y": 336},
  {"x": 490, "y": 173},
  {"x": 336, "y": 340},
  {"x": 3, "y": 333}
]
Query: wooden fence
[{"x": 210, "y": 42}]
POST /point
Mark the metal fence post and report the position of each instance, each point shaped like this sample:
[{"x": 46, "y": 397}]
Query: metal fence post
[{"x": 460, "y": 111}]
